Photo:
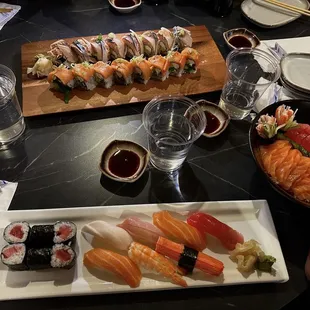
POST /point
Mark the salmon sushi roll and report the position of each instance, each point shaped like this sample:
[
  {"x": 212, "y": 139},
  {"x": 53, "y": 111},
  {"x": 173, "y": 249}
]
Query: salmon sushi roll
[
  {"x": 176, "y": 63},
  {"x": 123, "y": 71},
  {"x": 103, "y": 74},
  {"x": 192, "y": 60},
  {"x": 160, "y": 69},
  {"x": 61, "y": 78},
  {"x": 84, "y": 76},
  {"x": 142, "y": 71}
]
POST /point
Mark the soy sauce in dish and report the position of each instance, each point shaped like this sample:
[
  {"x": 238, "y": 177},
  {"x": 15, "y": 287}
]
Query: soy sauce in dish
[
  {"x": 240, "y": 41},
  {"x": 213, "y": 123},
  {"x": 124, "y": 3},
  {"x": 124, "y": 163}
]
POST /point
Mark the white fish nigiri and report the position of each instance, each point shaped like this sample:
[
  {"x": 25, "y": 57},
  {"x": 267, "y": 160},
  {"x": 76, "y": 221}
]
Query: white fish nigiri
[
  {"x": 111, "y": 236},
  {"x": 140, "y": 231}
]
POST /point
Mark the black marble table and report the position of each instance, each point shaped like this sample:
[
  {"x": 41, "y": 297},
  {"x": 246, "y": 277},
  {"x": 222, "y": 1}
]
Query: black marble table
[{"x": 56, "y": 161}]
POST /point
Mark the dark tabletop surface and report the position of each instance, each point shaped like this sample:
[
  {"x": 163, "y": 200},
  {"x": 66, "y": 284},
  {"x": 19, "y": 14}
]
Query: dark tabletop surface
[{"x": 56, "y": 161}]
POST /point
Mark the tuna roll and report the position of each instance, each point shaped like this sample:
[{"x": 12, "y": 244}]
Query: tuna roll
[
  {"x": 62, "y": 256},
  {"x": 39, "y": 258},
  {"x": 14, "y": 256},
  {"x": 64, "y": 232},
  {"x": 16, "y": 232},
  {"x": 41, "y": 236}
]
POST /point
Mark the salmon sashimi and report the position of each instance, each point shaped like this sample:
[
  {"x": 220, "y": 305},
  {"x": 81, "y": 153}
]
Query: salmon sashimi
[
  {"x": 179, "y": 230},
  {"x": 83, "y": 71},
  {"x": 146, "y": 258},
  {"x": 121, "y": 265},
  {"x": 103, "y": 68},
  {"x": 63, "y": 74},
  {"x": 301, "y": 187}
]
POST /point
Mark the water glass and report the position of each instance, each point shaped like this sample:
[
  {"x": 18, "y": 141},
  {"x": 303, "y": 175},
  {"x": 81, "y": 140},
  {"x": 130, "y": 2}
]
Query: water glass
[
  {"x": 249, "y": 73},
  {"x": 12, "y": 123},
  {"x": 172, "y": 123}
]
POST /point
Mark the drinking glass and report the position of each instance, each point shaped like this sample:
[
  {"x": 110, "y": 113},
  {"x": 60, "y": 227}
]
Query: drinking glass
[
  {"x": 172, "y": 123},
  {"x": 249, "y": 73},
  {"x": 12, "y": 123}
]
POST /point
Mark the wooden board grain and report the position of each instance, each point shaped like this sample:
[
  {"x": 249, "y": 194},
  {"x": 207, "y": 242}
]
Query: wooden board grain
[{"x": 38, "y": 99}]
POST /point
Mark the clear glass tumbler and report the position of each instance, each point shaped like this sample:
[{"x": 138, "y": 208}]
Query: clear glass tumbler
[
  {"x": 249, "y": 73},
  {"x": 12, "y": 123},
  {"x": 172, "y": 123}
]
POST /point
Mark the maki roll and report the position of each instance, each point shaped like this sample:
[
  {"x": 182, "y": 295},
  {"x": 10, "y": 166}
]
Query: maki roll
[
  {"x": 160, "y": 66},
  {"x": 41, "y": 236},
  {"x": 64, "y": 232},
  {"x": 100, "y": 49},
  {"x": 62, "y": 256},
  {"x": 165, "y": 41},
  {"x": 123, "y": 71},
  {"x": 83, "y": 49},
  {"x": 14, "y": 256},
  {"x": 103, "y": 74},
  {"x": 142, "y": 71},
  {"x": 39, "y": 258},
  {"x": 117, "y": 46},
  {"x": 61, "y": 52},
  {"x": 150, "y": 43},
  {"x": 16, "y": 232},
  {"x": 176, "y": 63},
  {"x": 183, "y": 38},
  {"x": 133, "y": 43},
  {"x": 192, "y": 60},
  {"x": 84, "y": 76}
]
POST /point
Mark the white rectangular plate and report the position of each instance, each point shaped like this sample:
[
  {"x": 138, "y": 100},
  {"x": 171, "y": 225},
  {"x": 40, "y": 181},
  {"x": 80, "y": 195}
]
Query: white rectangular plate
[{"x": 251, "y": 218}]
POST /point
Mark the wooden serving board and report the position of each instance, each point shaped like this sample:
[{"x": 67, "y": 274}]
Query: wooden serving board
[{"x": 38, "y": 99}]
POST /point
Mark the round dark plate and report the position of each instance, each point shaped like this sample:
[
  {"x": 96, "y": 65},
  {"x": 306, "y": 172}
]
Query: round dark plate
[{"x": 302, "y": 116}]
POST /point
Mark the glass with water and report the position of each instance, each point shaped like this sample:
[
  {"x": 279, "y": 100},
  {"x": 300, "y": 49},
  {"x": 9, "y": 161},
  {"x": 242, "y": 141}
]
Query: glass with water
[
  {"x": 11, "y": 119},
  {"x": 249, "y": 73},
  {"x": 172, "y": 123}
]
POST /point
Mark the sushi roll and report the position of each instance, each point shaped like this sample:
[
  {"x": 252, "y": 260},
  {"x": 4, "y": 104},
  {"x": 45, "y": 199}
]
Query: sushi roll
[
  {"x": 142, "y": 71},
  {"x": 64, "y": 232},
  {"x": 84, "y": 76},
  {"x": 14, "y": 256},
  {"x": 100, "y": 49},
  {"x": 61, "y": 52},
  {"x": 62, "y": 256},
  {"x": 165, "y": 41},
  {"x": 117, "y": 46},
  {"x": 150, "y": 43},
  {"x": 41, "y": 236},
  {"x": 83, "y": 49},
  {"x": 16, "y": 232},
  {"x": 103, "y": 74},
  {"x": 123, "y": 71},
  {"x": 133, "y": 43},
  {"x": 183, "y": 38},
  {"x": 37, "y": 259},
  {"x": 176, "y": 63},
  {"x": 160, "y": 66},
  {"x": 192, "y": 60}
]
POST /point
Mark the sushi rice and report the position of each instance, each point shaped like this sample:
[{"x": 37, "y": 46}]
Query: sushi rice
[{"x": 101, "y": 81}]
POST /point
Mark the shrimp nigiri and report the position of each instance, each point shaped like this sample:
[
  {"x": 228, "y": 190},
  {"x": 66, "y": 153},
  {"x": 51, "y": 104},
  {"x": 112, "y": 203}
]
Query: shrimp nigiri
[
  {"x": 141, "y": 231},
  {"x": 146, "y": 258},
  {"x": 121, "y": 265},
  {"x": 180, "y": 231},
  {"x": 208, "y": 224}
]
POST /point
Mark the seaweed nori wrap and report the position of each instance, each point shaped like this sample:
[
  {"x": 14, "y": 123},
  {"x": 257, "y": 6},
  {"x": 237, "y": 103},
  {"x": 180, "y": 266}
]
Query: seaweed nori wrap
[
  {"x": 41, "y": 236},
  {"x": 14, "y": 256},
  {"x": 39, "y": 258},
  {"x": 188, "y": 259}
]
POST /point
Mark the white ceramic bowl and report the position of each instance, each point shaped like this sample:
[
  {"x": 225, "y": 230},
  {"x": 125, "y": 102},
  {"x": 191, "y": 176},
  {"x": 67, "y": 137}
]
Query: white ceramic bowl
[{"x": 128, "y": 9}]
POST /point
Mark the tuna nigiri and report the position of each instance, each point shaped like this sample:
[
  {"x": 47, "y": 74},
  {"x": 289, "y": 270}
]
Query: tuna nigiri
[
  {"x": 111, "y": 235},
  {"x": 121, "y": 265},
  {"x": 146, "y": 258},
  {"x": 188, "y": 258},
  {"x": 141, "y": 231},
  {"x": 208, "y": 224},
  {"x": 180, "y": 231}
]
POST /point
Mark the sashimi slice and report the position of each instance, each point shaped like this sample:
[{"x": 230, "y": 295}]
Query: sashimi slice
[
  {"x": 301, "y": 188},
  {"x": 306, "y": 143}
]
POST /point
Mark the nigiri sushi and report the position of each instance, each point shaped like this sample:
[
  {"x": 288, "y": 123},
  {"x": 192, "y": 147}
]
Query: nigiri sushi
[
  {"x": 206, "y": 223},
  {"x": 150, "y": 43},
  {"x": 83, "y": 49},
  {"x": 123, "y": 71},
  {"x": 179, "y": 230},
  {"x": 160, "y": 67},
  {"x": 176, "y": 63},
  {"x": 188, "y": 258},
  {"x": 146, "y": 258},
  {"x": 192, "y": 60},
  {"x": 84, "y": 76},
  {"x": 165, "y": 41},
  {"x": 183, "y": 38},
  {"x": 142, "y": 69},
  {"x": 110, "y": 235},
  {"x": 100, "y": 49},
  {"x": 117, "y": 47},
  {"x": 143, "y": 232},
  {"x": 103, "y": 74},
  {"x": 133, "y": 43},
  {"x": 121, "y": 265},
  {"x": 61, "y": 52}
]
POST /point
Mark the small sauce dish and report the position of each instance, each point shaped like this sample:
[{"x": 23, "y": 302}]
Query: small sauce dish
[
  {"x": 124, "y": 161},
  {"x": 240, "y": 37},
  {"x": 125, "y": 6}
]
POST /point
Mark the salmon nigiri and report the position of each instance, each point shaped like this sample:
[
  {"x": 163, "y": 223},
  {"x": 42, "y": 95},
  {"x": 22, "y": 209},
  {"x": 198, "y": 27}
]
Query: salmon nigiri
[
  {"x": 180, "y": 231},
  {"x": 121, "y": 265},
  {"x": 146, "y": 258},
  {"x": 206, "y": 223}
]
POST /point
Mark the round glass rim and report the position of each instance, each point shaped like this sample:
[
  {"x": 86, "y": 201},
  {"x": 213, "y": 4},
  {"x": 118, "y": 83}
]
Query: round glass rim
[
  {"x": 265, "y": 55},
  {"x": 14, "y": 81},
  {"x": 191, "y": 103}
]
